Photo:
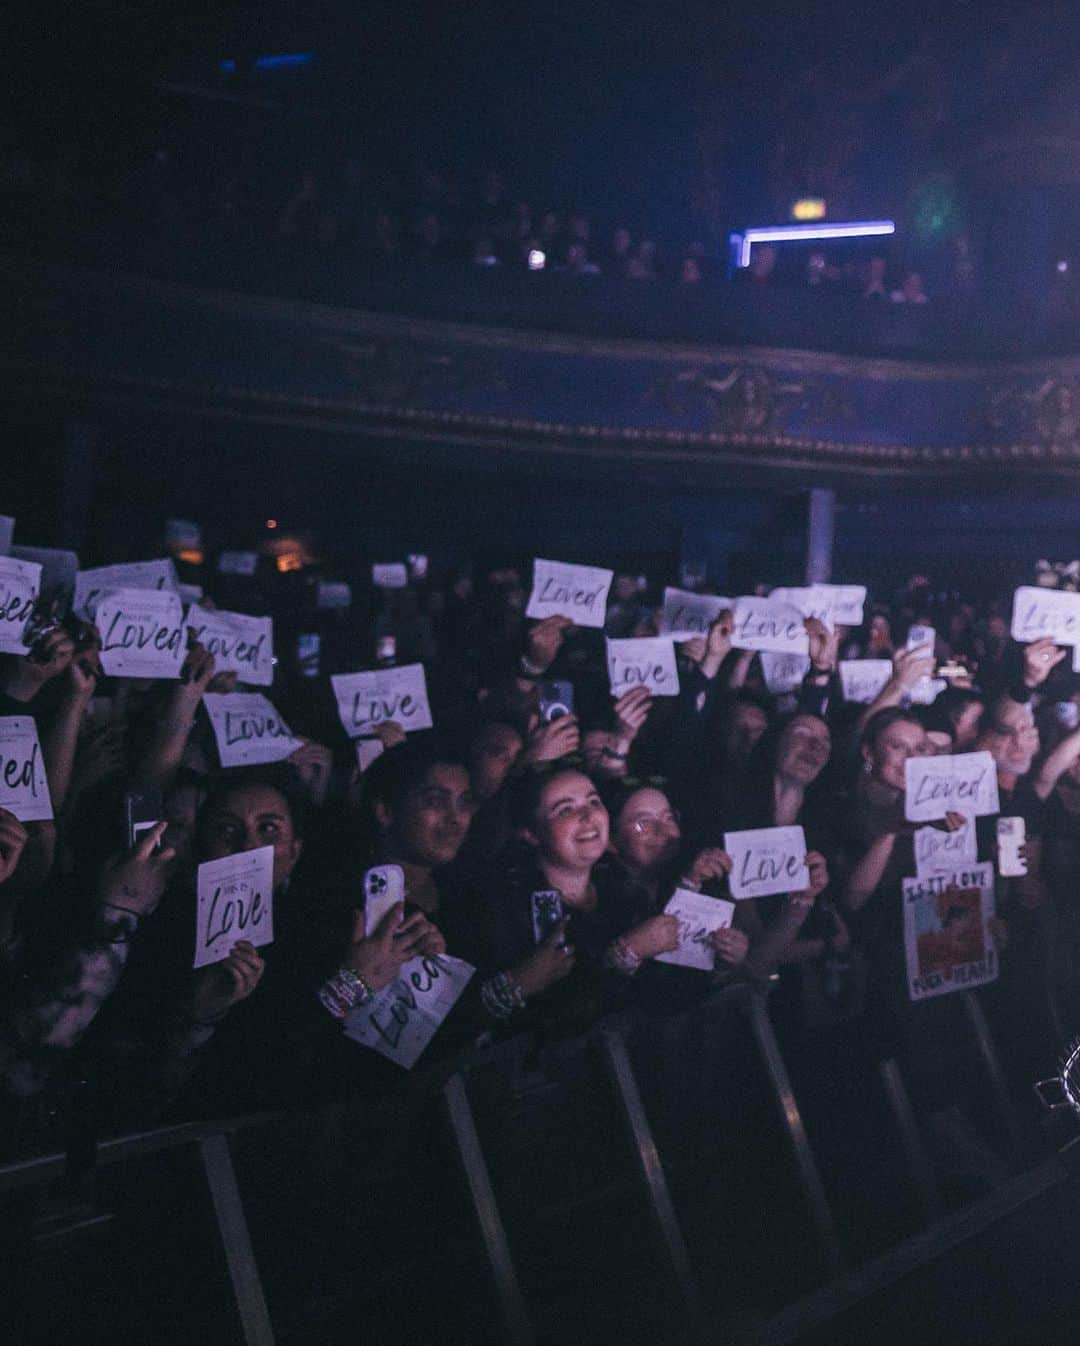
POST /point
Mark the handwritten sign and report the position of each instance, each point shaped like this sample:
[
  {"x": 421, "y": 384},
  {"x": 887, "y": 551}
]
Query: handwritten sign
[
  {"x": 947, "y": 939},
  {"x": 832, "y": 604},
  {"x": 698, "y": 917},
  {"x": 24, "y": 788},
  {"x": 404, "y": 1017},
  {"x": 7, "y": 532},
  {"x": 383, "y": 696},
  {"x": 578, "y": 592},
  {"x": 58, "y": 571},
  {"x": 238, "y": 562},
  {"x": 764, "y": 624},
  {"x": 1046, "y": 612},
  {"x": 686, "y": 615},
  {"x": 647, "y": 661},
  {"x": 248, "y": 730},
  {"x": 391, "y": 575},
  {"x": 938, "y": 852},
  {"x": 863, "y": 679},
  {"x": 784, "y": 672},
  {"x": 20, "y": 584},
  {"x": 962, "y": 783},
  {"x": 767, "y": 860},
  {"x": 239, "y": 643},
  {"x": 926, "y": 691},
  {"x": 331, "y": 595},
  {"x": 91, "y": 584},
  {"x": 235, "y": 901},
  {"x": 142, "y": 633}
]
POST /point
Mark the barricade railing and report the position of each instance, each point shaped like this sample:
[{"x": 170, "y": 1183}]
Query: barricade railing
[{"x": 606, "y": 1056}]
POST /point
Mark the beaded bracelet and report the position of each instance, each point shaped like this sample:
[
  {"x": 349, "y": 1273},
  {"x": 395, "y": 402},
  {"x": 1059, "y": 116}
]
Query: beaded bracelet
[
  {"x": 345, "y": 991},
  {"x": 501, "y": 996},
  {"x": 622, "y": 958}
]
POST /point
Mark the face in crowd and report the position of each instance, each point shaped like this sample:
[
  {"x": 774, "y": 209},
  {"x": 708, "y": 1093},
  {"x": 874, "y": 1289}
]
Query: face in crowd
[
  {"x": 647, "y": 834},
  {"x": 803, "y": 750},
  {"x": 243, "y": 819},
  {"x": 1012, "y": 740},
  {"x": 746, "y": 725},
  {"x": 570, "y": 824},
  {"x": 492, "y": 755},
  {"x": 890, "y": 749},
  {"x": 428, "y": 826}
]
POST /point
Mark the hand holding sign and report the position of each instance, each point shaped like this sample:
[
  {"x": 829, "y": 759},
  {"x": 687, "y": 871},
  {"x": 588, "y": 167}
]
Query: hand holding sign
[
  {"x": 220, "y": 986},
  {"x": 13, "y": 838},
  {"x": 1046, "y": 614},
  {"x": 248, "y": 729},
  {"x": 240, "y": 644},
  {"x": 544, "y": 641},
  {"x": 764, "y": 624},
  {"x": 863, "y": 680},
  {"x": 142, "y": 633},
  {"x": 685, "y": 615},
  {"x": 699, "y": 918},
  {"x": 1041, "y": 657},
  {"x": 577, "y": 592}
]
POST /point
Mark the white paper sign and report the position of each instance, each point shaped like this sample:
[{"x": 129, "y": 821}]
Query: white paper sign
[
  {"x": 7, "y": 532},
  {"x": 947, "y": 940},
  {"x": 248, "y": 730},
  {"x": 331, "y": 594},
  {"x": 578, "y": 592},
  {"x": 963, "y": 783},
  {"x": 863, "y": 679},
  {"x": 784, "y": 672},
  {"x": 686, "y": 615},
  {"x": 368, "y": 750},
  {"x": 24, "y": 788},
  {"x": 938, "y": 852},
  {"x": 646, "y": 661},
  {"x": 926, "y": 691},
  {"x": 91, "y": 584},
  {"x": 142, "y": 633},
  {"x": 698, "y": 917},
  {"x": 1046, "y": 612},
  {"x": 832, "y": 604},
  {"x": 238, "y": 562},
  {"x": 404, "y": 1017},
  {"x": 236, "y": 901},
  {"x": 767, "y": 860},
  {"x": 20, "y": 584},
  {"x": 764, "y": 624},
  {"x": 239, "y": 643},
  {"x": 58, "y": 571},
  {"x": 382, "y": 696},
  {"x": 389, "y": 576}
]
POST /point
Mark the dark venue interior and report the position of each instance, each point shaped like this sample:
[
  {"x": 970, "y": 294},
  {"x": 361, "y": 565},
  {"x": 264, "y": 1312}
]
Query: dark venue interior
[{"x": 540, "y": 674}]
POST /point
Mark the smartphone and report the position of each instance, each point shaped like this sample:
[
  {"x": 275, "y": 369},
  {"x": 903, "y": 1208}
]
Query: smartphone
[
  {"x": 308, "y": 645},
  {"x": 921, "y": 635},
  {"x": 556, "y": 700},
  {"x": 1068, "y": 714},
  {"x": 384, "y": 887},
  {"x": 1011, "y": 834},
  {"x": 142, "y": 811},
  {"x": 547, "y": 912}
]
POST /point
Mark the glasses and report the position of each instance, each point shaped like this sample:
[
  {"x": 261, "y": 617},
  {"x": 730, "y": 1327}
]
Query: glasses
[{"x": 648, "y": 825}]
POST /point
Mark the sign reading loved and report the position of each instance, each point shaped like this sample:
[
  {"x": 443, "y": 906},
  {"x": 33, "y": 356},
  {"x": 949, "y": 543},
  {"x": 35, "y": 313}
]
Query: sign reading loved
[
  {"x": 1046, "y": 612},
  {"x": 647, "y": 661},
  {"x": 764, "y": 624},
  {"x": 90, "y": 585},
  {"x": 24, "y": 788},
  {"x": 577, "y": 592},
  {"x": 248, "y": 730},
  {"x": 239, "y": 643},
  {"x": 20, "y": 584},
  {"x": 686, "y": 615},
  {"x": 962, "y": 783},
  {"x": 382, "y": 696},
  {"x": 404, "y": 1017},
  {"x": 235, "y": 901},
  {"x": 767, "y": 860},
  {"x": 142, "y": 633},
  {"x": 783, "y": 672},
  {"x": 698, "y": 917}
]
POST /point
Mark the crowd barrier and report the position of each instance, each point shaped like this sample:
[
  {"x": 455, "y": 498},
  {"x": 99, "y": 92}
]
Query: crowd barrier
[{"x": 594, "y": 1132}]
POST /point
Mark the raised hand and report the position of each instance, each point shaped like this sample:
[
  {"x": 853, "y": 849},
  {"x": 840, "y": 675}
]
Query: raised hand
[
  {"x": 1041, "y": 657},
  {"x": 135, "y": 881},
  {"x": 711, "y": 863},
  {"x": 659, "y": 934},
  {"x": 222, "y": 985},
  {"x": 548, "y": 742},
  {"x": 730, "y": 945},
  {"x": 544, "y": 640},
  {"x": 549, "y": 962}
]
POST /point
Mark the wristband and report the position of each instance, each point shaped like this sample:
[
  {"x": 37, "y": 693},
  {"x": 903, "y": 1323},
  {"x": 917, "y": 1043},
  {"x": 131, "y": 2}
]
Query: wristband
[
  {"x": 345, "y": 991},
  {"x": 622, "y": 958},
  {"x": 501, "y": 996}
]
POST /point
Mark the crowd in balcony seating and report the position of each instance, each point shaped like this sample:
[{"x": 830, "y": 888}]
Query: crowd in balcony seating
[{"x": 540, "y": 848}]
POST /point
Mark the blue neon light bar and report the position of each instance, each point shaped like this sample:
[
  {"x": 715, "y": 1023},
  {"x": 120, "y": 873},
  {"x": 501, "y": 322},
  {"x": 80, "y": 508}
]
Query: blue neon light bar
[
  {"x": 283, "y": 62},
  {"x": 787, "y": 233}
]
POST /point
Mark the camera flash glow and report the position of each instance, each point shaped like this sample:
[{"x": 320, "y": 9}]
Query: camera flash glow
[{"x": 536, "y": 259}]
